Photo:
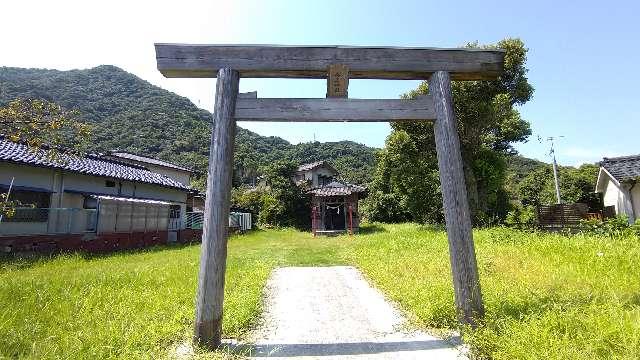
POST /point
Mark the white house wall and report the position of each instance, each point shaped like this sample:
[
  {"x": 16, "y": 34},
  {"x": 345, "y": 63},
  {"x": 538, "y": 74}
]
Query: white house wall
[
  {"x": 94, "y": 184},
  {"x": 73, "y": 201},
  {"x": 613, "y": 196},
  {"x": 619, "y": 199},
  {"x": 635, "y": 198},
  {"x": 171, "y": 195},
  {"x": 27, "y": 176},
  {"x": 312, "y": 175},
  {"x": 180, "y": 176}
]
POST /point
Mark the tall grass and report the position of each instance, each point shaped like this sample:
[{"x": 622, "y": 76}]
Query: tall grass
[
  {"x": 546, "y": 296},
  {"x": 134, "y": 305}
]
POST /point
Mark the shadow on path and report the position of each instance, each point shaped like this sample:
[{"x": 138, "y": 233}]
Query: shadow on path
[{"x": 356, "y": 348}]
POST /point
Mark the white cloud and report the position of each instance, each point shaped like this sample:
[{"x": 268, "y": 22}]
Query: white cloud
[{"x": 576, "y": 155}]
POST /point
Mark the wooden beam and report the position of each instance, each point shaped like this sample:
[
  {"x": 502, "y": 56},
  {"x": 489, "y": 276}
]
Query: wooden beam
[
  {"x": 261, "y": 61},
  {"x": 249, "y": 108},
  {"x": 215, "y": 227},
  {"x": 457, "y": 217}
]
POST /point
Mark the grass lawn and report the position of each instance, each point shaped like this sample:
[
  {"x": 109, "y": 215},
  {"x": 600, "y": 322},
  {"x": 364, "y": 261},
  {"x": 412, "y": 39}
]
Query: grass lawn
[{"x": 546, "y": 295}]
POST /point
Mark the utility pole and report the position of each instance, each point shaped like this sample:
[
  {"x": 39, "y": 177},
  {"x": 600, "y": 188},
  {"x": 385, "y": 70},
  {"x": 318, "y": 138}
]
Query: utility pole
[{"x": 552, "y": 152}]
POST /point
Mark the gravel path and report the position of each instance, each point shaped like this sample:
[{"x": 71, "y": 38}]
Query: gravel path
[{"x": 333, "y": 313}]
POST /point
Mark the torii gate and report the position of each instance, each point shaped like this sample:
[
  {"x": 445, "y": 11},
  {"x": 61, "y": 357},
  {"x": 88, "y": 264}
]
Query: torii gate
[{"x": 337, "y": 64}]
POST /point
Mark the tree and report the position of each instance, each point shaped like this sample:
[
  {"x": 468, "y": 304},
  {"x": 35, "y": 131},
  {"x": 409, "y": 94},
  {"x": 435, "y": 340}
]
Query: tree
[
  {"x": 44, "y": 124},
  {"x": 405, "y": 186},
  {"x": 279, "y": 201},
  {"x": 488, "y": 126},
  {"x": 284, "y": 203},
  {"x": 532, "y": 188},
  {"x": 41, "y": 125},
  {"x": 577, "y": 185},
  {"x": 7, "y": 206}
]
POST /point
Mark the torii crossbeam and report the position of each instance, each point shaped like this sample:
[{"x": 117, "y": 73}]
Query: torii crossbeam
[{"x": 337, "y": 64}]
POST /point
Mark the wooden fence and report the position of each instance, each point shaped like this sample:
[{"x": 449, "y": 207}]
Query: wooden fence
[{"x": 561, "y": 216}]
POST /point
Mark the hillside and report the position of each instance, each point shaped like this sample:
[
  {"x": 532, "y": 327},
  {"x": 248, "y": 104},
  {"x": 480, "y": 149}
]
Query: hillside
[
  {"x": 519, "y": 166},
  {"x": 130, "y": 114}
]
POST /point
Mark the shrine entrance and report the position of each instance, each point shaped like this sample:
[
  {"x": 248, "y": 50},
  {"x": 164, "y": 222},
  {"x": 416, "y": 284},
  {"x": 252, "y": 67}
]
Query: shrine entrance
[
  {"x": 335, "y": 218},
  {"x": 337, "y": 64}
]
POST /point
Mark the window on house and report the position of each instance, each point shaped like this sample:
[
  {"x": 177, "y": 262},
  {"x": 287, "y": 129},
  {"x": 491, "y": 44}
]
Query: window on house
[
  {"x": 324, "y": 180},
  {"x": 110, "y": 183},
  {"x": 174, "y": 211},
  {"x": 90, "y": 202},
  {"x": 33, "y": 206}
]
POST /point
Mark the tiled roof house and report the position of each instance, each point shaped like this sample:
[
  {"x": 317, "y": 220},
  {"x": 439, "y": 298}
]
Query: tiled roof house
[
  {"x": 99, "y": 202},
  {"x": 618, "y": 182}
]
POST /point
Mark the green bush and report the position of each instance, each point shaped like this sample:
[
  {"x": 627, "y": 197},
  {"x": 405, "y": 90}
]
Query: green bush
[
  {"x": 522, "y": 217},
  {"x": 613, "y": 227},
  {"x": 248, "y": 199},
  {"x": 279, "y": 202},
  {"x": 381, "y": 207}
]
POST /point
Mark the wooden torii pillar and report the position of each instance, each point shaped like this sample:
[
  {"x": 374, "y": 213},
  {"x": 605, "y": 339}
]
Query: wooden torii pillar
[{"x": 337, "y": 64}]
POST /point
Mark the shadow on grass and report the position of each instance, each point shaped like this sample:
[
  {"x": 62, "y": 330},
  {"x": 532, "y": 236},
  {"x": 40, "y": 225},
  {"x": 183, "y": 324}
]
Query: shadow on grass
[
  {"x": 537, "y": 305},
  {"x": 372, "y": 229},
  {"x": 633, "y": 301},
  {"x": 431, "y": 227}
]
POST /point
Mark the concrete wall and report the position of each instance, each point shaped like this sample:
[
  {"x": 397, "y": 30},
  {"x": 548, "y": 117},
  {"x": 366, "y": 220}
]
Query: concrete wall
[
  {"x": 19, "y": 228},
  {"x": 92, "y": 242}
]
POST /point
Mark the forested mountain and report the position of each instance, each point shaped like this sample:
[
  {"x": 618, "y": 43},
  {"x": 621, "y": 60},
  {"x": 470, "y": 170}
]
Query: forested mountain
[
  {"x": 518, "y": 167},
  {"x": 130, "y": 114}
]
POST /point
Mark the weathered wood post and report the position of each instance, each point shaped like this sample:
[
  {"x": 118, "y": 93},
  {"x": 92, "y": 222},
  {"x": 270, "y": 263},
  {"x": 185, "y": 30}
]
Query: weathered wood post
[
  {"x": 215, "y": 227},
  {"x": 464, "y": 269}
]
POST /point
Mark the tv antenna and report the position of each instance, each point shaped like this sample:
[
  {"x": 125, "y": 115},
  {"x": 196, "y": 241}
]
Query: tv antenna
[{"x": 552, "y": 153}]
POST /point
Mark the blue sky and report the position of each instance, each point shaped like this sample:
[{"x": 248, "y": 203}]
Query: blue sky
[{"x": 581, "y": 54}]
